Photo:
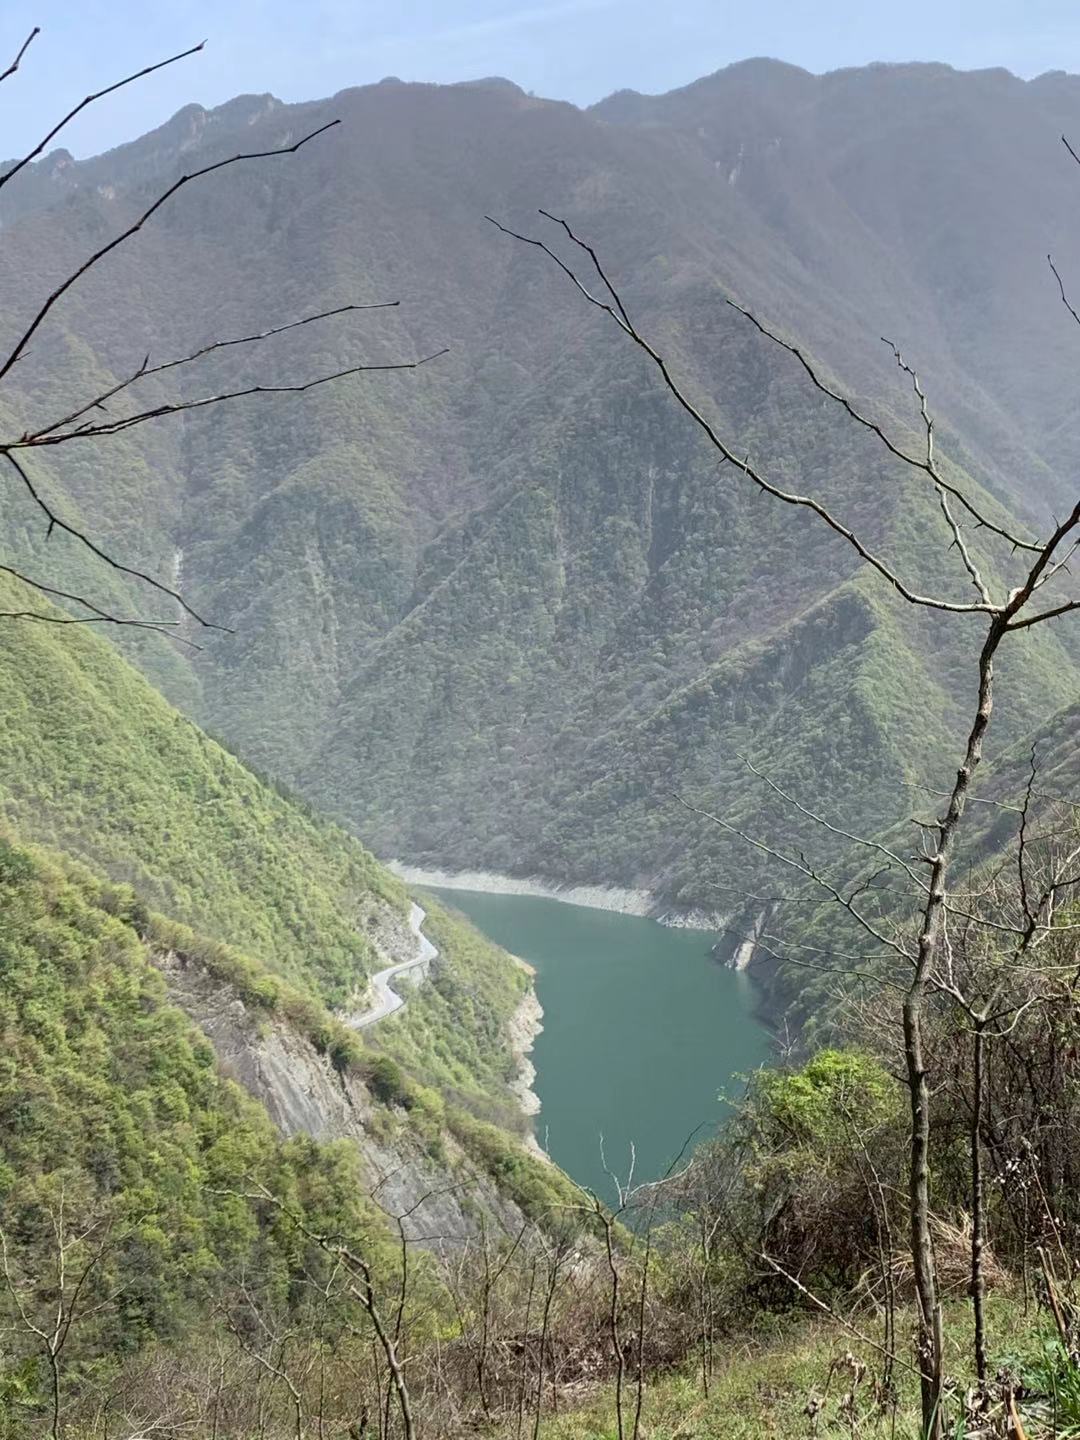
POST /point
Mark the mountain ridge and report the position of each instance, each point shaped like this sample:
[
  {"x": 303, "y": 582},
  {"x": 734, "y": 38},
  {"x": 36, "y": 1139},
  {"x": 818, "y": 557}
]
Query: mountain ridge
[{"x": 457, "y": 592}]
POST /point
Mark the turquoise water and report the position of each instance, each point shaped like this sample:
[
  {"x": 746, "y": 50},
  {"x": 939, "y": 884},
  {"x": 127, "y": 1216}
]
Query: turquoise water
[{"x": 642, "y": 1030}]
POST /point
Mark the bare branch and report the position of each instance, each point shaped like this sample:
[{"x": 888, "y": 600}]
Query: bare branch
[
  {"x": 145, "y": 370},
  {"x": 88, "y": 100},
  {"x": 836, "y": 829},
  {"x": 22, "y": 51},
  {"x": 840, "y": 1320},
  {"x": 1021, "y": 849},
  {"x": 1042, "y": 567},
  {"x": 846, "y": 971},
  {"x": 94, "y": 430},
  {"x": 740, "y": 463},
  {"x": 1058, "y": 565},
  {"x": 584, "y": 245},
  {"x": 1061, "y": 283},
  {"x": 55, "y": 522},
  {"x": 137, "y": 225},
  {"x": 97, "y": 615},
  {"x": 803, "y": 868},
  {"x": 927, "y": 465},
  {"x": 1064, "y": 609},
  {"x": 939, "y": 484}
]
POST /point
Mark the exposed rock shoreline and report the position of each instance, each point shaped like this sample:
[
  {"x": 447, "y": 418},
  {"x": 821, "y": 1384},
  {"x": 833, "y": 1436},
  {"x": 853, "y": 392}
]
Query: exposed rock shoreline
[
  {"x": 594, "y": 897},
  {"x": 525, "y": 1025}
]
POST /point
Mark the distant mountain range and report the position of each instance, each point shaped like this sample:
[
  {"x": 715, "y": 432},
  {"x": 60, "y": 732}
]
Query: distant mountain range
[{"x": 498, "y": 611}]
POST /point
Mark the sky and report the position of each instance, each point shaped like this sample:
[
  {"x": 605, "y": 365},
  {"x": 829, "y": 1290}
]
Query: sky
[{"x": 578, "y": 50}]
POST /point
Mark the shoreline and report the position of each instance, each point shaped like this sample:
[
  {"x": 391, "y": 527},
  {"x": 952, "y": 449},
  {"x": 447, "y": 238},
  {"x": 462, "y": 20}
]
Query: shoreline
[
  {"x": 624, "y": 901},
  {"x": 525, "y": 1025}
]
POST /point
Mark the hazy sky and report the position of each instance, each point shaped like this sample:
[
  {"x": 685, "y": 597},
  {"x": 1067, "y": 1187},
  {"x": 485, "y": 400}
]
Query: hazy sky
[{"x": 577, "y": 50}]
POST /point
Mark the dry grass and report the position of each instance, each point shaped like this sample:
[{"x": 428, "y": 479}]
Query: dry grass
[{"x": 810, "y": 1379}]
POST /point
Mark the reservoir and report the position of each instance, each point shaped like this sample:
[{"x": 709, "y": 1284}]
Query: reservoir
[{"x": 643, "y": 1031}]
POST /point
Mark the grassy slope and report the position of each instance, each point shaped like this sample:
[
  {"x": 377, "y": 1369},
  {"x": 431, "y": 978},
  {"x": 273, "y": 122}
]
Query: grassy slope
[
  {"x": 114, "y": 1114},
  {"x": 109, "y": 1097},
  {"x": 762, "y": 1383},
  {"x": 97, "y": 763}
]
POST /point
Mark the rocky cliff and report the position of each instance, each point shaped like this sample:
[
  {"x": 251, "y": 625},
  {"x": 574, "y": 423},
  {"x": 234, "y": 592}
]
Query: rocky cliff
[{"x": 439, "y": 1189}]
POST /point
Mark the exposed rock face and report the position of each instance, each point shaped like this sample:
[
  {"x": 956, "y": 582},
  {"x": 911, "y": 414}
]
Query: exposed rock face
[
  {"x": 738, "y": 949},
  {"x": 744, "y": 951},
  {"x": 594, "y": 897},
  {"x": 304, "y": 1095}
]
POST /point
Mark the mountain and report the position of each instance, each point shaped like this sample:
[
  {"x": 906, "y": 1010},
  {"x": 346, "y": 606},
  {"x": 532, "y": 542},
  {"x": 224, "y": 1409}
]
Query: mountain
[
  {"x": 503, "y": 610},
  {"x": 498, "y": 610}
]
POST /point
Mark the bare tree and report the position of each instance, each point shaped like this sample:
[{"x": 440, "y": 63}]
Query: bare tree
[
  {"x": 269, "y": 1344},
  {"x": 88, "y": 418},
  {"x": 49, "y": 1306},
  {"x": 1001, "y": 611},
  {"x": 358, "y": 1283},
  {"x": 996, "y": 970}
]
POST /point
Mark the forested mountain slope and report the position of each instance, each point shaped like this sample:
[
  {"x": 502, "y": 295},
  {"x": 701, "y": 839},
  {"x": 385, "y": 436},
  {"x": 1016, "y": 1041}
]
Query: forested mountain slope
[
  {"x": 496, "y": 610},
  {"x": 261, "y": 915},
  {"x": 179, "y": 1133}
]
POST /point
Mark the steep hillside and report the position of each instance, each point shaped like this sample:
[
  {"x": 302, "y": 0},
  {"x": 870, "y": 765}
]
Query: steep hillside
[
  {"x": 115, "y": 1123},
  {"x": 94, "y": 762},
  {"x": 275, "y": 910},
  {"x": 176, "y": 1144},
  {"x": 494, "y": 611}
]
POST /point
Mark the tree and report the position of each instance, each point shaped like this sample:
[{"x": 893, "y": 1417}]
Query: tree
[
  {"x": 999, "y": 611},
  {"x": 89, "y": 419},
  {"x": 48, "y": 1305}
]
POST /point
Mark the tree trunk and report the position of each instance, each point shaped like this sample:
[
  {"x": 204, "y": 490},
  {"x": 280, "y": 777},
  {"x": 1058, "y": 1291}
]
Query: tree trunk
[
  {"x": 978, "y": 1281},
  {"x": 922, "y": 1251}
]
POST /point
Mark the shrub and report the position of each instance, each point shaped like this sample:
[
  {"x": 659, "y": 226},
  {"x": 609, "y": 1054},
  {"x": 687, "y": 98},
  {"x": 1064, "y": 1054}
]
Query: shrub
[
  {"x": 386, "y": 1081},
  {"x": 814, "y": 1144}
]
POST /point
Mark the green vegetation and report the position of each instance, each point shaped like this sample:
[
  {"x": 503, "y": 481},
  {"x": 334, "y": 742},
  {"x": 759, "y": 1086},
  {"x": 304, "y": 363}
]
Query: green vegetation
[
  {"x": 495, "y": 621},
  {"x": 208, "y": 861},
  {"x": 116, "y": 1124},
  {"x": 453, "y": 1030},
  {"x": 95, "y": 762},
  {"x": 790, "y": 1379},
  {"x": 537, "y": 1188},
  {"x": 153, "y": 1196}
]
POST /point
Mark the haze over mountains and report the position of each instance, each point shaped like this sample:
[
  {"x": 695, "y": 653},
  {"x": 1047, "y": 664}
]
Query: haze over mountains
[{"x": 496, "y": 611}]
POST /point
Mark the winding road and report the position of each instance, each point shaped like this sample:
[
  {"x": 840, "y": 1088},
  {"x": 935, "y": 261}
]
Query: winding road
[{"x": 388, "y": 1000}]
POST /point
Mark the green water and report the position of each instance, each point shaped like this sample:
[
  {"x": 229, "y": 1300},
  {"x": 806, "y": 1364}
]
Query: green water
[{"x": 643, "y": 1029}]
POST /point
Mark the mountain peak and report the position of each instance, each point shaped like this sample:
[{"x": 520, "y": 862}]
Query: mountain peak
[{"x": 491, "y": 82}]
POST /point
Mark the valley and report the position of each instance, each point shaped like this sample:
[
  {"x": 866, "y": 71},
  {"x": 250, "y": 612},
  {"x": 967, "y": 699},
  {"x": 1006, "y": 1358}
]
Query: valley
[
  {"x": 717, "y": 671},
  {"x": 491, "y": 613}
]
